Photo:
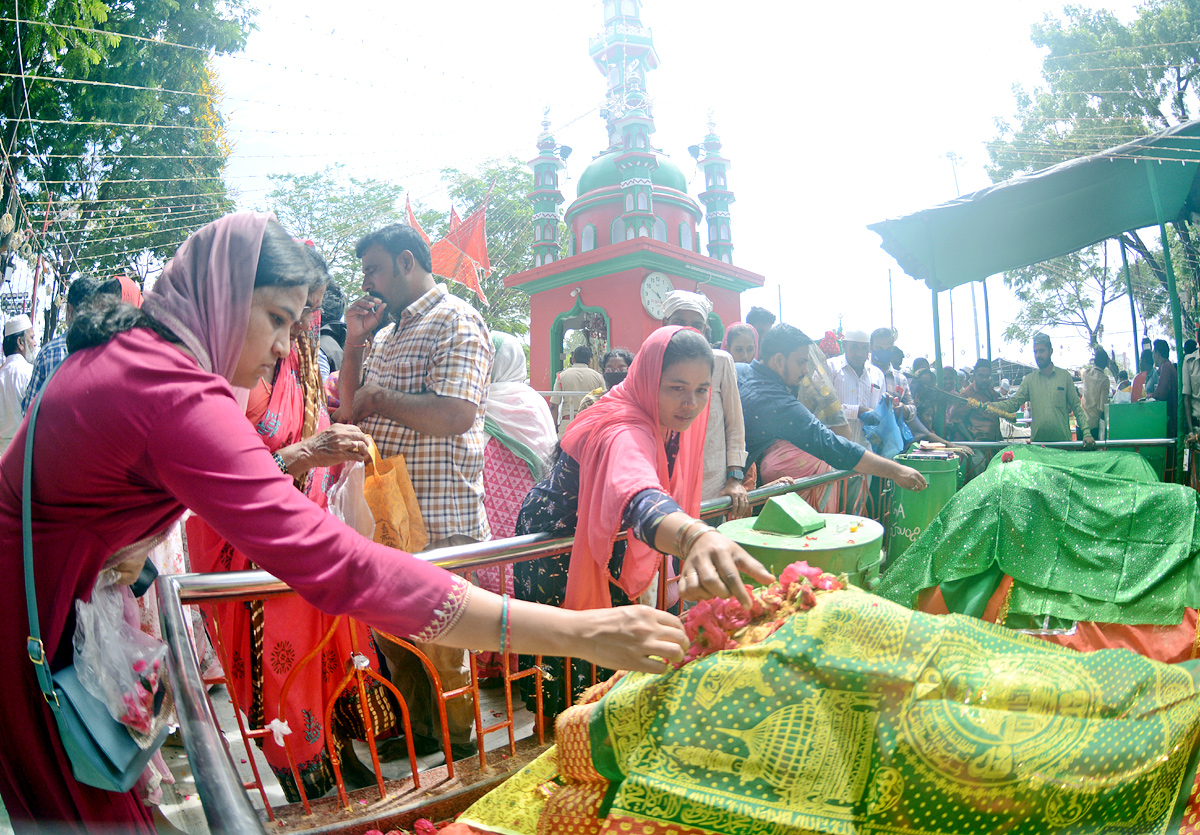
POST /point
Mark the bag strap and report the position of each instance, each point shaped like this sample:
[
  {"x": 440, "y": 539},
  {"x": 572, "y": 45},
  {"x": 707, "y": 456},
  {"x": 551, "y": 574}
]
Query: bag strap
[{"x": 37, "y": 652}]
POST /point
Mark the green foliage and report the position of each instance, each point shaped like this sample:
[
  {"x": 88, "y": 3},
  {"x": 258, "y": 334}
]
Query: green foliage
[
  {"x": 334, "y": 211},
  {"x": 509, "y": 236},
  {"x": 1105, "y": 83},
  {"x": 121, "y": 198},
  {"x": 1070, "y": 291}
]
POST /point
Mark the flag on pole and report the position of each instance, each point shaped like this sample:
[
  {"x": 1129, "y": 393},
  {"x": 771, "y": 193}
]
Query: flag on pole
[
  {"x": 451, "y": 262},
  {"x": 468, "y": 235},
  {"x": 412, "y": 220}
]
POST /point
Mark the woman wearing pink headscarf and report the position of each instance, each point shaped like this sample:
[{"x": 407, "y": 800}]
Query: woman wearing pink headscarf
[
  {"x": 634, "y": 460},
  {"x": 126, "y": 440}
]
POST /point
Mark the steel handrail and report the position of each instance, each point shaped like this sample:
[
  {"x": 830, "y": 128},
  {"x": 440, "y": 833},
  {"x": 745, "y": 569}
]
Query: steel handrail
[
  {"x": 1115, "y": 443},
  {"x": 226, "y": 804}
]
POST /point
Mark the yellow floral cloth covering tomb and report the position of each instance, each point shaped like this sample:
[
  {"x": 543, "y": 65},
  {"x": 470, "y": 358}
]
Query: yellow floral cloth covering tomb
[{"x": 861, "y": 716}]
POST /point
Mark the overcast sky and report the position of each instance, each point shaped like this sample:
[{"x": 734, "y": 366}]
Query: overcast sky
[{"x": 833, "y": 117}]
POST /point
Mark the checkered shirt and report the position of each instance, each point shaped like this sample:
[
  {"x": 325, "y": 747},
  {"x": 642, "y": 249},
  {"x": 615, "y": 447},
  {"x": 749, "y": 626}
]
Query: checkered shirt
[
  {"x": 440, "y": 345},
  {"x": 51, "y": 356}
]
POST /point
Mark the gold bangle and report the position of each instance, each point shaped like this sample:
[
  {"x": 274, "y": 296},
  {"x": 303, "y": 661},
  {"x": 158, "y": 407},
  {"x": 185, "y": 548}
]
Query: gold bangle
[
  {"x": 681, "y": 534},
  {"x": 693, "y": 539}
]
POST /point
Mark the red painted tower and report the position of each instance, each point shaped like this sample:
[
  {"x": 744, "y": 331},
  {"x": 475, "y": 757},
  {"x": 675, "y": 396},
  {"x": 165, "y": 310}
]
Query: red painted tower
[{"x": 633, "y": 229}]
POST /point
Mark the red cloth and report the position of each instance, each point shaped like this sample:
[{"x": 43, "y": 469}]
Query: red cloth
[
  {"x": 130, "y": 292},
  {"x": 1167, "y": 644},
  {"x": 451, "y": 262},
  {"x": 785, "y": 459},
  {"x": 130, "y": 433},
  {"x": 620, "y": 449},
  {"x": 468, "y": 235},
  {"x": 506, "y": 483},
  {"x": 1139, "y": 386},
  {"x": 291, "y": 627}
]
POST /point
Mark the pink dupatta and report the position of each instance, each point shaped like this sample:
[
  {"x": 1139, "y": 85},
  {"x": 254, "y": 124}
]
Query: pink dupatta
[{"x": 620, "y": 449}]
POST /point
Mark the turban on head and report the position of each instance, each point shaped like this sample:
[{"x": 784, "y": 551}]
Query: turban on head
[{"x": 683, "y": 300}]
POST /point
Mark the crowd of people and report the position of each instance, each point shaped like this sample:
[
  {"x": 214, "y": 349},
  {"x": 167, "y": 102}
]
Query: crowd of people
[{"x": 223, "y": 392}]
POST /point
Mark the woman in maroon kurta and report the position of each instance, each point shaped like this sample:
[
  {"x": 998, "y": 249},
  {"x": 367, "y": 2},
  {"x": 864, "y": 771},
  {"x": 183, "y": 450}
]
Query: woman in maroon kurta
[{"x": 137, "y": 428}]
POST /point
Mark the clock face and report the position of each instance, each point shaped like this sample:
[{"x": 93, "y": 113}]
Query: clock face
[{"x": 655, "y": 288}]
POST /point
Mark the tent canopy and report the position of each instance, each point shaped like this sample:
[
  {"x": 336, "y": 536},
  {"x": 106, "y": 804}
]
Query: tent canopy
[{"x": 1051, "y": 212}]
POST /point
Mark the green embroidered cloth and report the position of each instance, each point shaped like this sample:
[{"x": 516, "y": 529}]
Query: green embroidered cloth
[
  {"x": 861, "y": 716},
  {"x": 1085, "y": 537}
]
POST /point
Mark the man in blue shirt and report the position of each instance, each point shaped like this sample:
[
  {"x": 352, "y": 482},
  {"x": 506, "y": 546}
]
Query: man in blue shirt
[{"x": 772, "y": 413}]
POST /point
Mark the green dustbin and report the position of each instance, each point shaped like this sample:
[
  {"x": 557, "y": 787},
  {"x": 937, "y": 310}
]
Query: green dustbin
[
  {"x": 912, "y": 512},
  {"x": 788, "y": 530}
]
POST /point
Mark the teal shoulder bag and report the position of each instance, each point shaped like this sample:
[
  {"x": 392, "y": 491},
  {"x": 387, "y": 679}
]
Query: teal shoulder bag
[{"x": 102, "y": 751}]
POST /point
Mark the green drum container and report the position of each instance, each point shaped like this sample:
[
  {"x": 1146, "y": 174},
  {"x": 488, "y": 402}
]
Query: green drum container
[
  {"x": 788, "y": 529},
  {"x": 912, "y": 512}
]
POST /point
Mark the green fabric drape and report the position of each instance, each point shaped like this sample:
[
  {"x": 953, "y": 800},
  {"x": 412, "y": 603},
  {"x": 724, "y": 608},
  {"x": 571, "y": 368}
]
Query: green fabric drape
[{"x": 1084, "y": 539}]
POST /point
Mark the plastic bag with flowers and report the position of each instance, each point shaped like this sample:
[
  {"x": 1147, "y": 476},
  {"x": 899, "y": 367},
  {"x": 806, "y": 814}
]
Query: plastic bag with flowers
[{"x": 116, "y": 662}]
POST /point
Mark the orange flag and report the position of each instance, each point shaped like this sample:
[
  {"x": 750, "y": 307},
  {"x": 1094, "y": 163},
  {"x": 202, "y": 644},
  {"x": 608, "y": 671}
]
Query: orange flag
[
  {"x": 412, "y": 220},
  {"x": 468, "y": 236},
  {"x": 455, "y": 220},
  {"x": 451, "y": 262}
]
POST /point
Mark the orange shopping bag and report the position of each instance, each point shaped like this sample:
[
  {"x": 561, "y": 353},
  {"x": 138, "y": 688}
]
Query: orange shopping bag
[{"x": 390, "y": 495}]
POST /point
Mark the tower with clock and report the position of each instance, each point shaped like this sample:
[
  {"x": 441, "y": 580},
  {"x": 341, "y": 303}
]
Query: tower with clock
[{"x": 632, "y": 233}]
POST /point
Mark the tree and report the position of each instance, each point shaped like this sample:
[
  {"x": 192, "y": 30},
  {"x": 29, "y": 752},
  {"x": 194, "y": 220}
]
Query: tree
[
  {"x": 334, "y": 211},
  {"x": 110, "y": 112},
  {"x": 1070, "y": 291},
  {"x": 1107, "y": 83},
  {"x": 1150, "y": 300},
  {"x": 509, "y": 236}
]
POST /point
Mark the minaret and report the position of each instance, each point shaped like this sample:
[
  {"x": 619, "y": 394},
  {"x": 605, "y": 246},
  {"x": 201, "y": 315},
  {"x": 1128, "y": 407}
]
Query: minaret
[
  {"x": 716, "y": 197},
  {"x": 623, "y": 52},
  {"x": 546, "y": 197}
]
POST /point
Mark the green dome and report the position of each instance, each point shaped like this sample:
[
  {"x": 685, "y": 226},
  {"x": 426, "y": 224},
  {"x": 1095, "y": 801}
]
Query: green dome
[{"x": 603, "y": 173}]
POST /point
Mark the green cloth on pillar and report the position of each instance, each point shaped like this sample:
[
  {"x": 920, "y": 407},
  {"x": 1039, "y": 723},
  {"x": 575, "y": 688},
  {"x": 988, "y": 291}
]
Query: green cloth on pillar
[{"x": 1080, "y": 545}]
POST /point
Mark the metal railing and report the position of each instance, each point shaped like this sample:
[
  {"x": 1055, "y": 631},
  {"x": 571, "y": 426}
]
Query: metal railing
[
  {"x": 1110, "y": 444},
  {"x": 226, "y": 804},
  {"x": 1134, "y": 445}
]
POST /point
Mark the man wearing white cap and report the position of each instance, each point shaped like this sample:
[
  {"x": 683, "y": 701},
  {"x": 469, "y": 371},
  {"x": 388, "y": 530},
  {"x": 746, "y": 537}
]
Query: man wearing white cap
[
  {"x": 19, "y": 348},
  {"x": 859, "y": 384},
  {"x": 725, "y": 438}
]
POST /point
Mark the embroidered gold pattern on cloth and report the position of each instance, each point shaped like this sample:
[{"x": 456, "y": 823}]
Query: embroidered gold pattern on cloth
[{"x": 860, "y": 716}]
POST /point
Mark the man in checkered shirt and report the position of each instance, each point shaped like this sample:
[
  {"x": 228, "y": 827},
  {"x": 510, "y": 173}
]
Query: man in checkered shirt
[{"x": 414, "y": 377}]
